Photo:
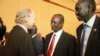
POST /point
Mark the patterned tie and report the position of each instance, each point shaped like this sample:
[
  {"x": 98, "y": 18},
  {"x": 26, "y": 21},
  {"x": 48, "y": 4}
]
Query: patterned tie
[
  {"x": 51, "y": 46},
  {"x": 82, "y": 39}
]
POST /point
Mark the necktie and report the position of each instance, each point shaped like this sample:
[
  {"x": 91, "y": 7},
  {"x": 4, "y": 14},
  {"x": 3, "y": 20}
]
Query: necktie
[
  {"x": 51, "y": 46},
  {"x": 82, "y": 39}
]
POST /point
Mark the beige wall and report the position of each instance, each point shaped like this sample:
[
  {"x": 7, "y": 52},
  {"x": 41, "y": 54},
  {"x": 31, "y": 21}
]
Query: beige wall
[{"x": 44, "y": 11}]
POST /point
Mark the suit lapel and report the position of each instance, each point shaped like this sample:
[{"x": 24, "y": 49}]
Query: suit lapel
[
  {"x": 79, "y": 31},
  {"x": 92, "y": 36},
  {"x": 48, "y": 38},
  {"x": 59, "y": 44}
]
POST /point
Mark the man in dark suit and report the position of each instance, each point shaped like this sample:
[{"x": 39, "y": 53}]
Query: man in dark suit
[
  {"x": 2, "y": 38},
  {"x": 20, "y": 42},
  {"x": 58, "y": 42},
  {"x": 88, "y": 33},
  {"x": 37, "y": 40}
]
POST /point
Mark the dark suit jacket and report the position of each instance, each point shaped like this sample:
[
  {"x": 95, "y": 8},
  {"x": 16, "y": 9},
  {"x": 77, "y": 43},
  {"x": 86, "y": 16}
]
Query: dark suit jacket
[
  {"x": 19, "y": 43},
  {"x": 2, "y": 50},
  {"x": 93, "y": 46},
  {"x": 66, "y": 45},
  {"x": 38, "y": 44}
]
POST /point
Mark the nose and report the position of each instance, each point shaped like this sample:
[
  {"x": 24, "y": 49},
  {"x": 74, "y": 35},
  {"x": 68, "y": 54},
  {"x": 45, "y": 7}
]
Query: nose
[
  {"x": 77, "y": 13},
  {"x": 54, "y": 24}
]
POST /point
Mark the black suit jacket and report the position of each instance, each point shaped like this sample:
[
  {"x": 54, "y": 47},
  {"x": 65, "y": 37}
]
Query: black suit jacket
[
  {"x": 38, "y": 44},
  {"x": 19, "y": 43},
  {"x": 2, "y": 50},
  {"x": 66, "y": 45},
  {"x": 93, "y": 46}
]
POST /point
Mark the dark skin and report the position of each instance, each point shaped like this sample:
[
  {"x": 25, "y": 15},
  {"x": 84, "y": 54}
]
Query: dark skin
[
  {"x": 33, "y": 31},
  {"x": 56, "y": 23},
  {"x": 83, "y": 11}
]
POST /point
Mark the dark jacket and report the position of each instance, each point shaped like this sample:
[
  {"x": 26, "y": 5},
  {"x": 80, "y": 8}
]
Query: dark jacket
[
  {"x": 66, "y": 45},
  {"x": 93, "y": 46},
  {"x": 19, "y": 43}
]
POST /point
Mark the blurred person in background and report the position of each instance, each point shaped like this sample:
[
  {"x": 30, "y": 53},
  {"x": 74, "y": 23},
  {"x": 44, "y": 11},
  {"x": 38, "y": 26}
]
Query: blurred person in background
[
  {"x": 37, "y": 40},
  {"x": 20, "y": 42},
  {"x": 2, "y": 38}
]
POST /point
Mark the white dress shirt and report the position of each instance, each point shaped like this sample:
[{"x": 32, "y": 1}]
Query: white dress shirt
[
  {"x": 87, "y": 32},
  {"x": 22, "y": 26},
  {"x": 57, "y": 37},
  {"x": 34, "y": 35}
]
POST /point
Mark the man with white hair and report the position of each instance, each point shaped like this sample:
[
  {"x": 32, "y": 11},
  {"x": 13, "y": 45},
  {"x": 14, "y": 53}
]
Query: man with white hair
[{"x": 20, "y": 42}]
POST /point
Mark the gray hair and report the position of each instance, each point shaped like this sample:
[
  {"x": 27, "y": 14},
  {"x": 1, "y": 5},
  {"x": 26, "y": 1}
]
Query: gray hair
[{"x": 22, "y": 13}]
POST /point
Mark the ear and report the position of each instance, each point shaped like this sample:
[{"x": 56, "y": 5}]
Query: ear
[
  {"x": 25, "y": 19},
  {"x": 90, "y": 8}
]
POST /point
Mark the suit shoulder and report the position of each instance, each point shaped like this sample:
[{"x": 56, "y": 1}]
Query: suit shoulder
[
  {"x": 69, "y": 36},
  {"x": 49, "y": 34},
  {"x": 80, "y": 26},
  {"x": 69, "y": 39}
]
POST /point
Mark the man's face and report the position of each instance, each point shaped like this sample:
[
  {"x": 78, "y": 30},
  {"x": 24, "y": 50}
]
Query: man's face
[
  {"x": 82, "y": 11},
  {"x": 56, "y": 24}
]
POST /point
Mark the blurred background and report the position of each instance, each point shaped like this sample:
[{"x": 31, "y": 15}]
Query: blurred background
[{"x": 44, "y": 10}]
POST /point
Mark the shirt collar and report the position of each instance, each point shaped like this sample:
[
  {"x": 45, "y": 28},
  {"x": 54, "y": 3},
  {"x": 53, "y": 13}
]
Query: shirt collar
[
  {"x": 58, "y": 33},
  {"x": 91, "y": 21},
  {"x": 23, "y": 27},
  {"x": 34, "y": 35}
]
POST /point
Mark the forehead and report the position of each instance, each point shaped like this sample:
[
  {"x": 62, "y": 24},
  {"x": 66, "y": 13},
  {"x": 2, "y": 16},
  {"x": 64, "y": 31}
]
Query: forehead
[
  {"x": 57, "y": 19},
  {"x": 81, "y": 4}
]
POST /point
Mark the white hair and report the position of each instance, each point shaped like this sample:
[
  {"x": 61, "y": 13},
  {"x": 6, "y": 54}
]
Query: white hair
[{"x": 25, "y": 12}]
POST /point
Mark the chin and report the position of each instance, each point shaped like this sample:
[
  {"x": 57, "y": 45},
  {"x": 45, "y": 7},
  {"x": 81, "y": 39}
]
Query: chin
[
  {"x": 54, "y": 30},
  {"x": 79, "y": 19}
]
